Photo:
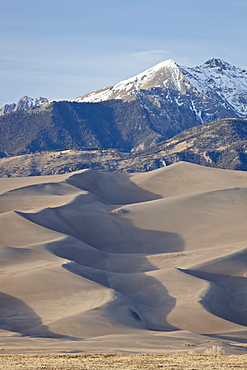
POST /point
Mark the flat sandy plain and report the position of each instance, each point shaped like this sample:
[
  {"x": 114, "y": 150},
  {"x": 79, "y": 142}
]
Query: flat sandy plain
[{"x": 147, "y": 263}]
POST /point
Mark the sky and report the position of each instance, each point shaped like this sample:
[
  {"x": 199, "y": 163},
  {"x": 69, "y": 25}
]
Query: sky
[{"x": 62, "y": 49}]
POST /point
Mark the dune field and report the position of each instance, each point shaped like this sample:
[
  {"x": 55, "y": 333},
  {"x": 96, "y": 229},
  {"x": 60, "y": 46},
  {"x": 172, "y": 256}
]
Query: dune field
[{"x": 100, "y": 262}]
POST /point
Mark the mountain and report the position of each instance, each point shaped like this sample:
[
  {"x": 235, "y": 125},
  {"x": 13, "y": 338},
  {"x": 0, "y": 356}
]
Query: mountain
[
  {"x": 176, "y": 97},
  {"x": 214, "y": 79},
  {"x": 220, "y": 144},
  {"x": 133, "y": 114},
  {"x": 24, "y": 103}
]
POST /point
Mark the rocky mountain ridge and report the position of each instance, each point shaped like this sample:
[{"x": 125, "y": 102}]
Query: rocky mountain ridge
[{"x": 24, "y": 103}]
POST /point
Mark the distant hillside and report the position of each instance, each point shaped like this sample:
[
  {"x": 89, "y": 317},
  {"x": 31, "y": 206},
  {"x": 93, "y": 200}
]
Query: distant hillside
[
  {"x": 60, "y": 125},
  {"x": 220, "y": 144}
]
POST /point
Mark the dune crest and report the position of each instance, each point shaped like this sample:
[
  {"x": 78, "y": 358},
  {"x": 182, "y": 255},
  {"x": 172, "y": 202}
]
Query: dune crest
[{"x": 95, "y": 254}]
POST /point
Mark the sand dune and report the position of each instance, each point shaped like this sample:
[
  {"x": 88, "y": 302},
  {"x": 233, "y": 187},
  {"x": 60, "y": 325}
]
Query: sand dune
[{"x": 91, "y": 255}]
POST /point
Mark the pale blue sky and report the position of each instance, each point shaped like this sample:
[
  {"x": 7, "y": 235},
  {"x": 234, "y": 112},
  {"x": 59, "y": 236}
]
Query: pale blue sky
[{"x": 62, "y": 49}]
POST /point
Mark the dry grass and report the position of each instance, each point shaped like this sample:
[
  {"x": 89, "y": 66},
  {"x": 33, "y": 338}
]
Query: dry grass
[{"x": 120, "y": 361}]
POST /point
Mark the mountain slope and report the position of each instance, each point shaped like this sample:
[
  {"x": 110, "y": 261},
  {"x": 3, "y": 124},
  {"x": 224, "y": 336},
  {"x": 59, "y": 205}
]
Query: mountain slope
[
  {"x": 214, "y": 79},
  {"x": 221, "y": 81},
  {"x": 220, "y": 144},
  {"x": 62, "y": 125}
]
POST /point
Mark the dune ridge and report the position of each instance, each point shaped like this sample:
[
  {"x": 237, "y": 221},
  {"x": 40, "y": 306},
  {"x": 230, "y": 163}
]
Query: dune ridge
[{"x": 93, "y": 254}]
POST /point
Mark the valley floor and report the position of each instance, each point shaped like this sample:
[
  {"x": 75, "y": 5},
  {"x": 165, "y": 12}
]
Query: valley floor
[{"x": 116, "y": 361}]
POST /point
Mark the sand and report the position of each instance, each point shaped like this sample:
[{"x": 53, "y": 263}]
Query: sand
[{"x": 124, "y": 263}]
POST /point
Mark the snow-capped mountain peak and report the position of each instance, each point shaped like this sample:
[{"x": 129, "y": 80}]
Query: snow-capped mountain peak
[
  {"x": 217, "y": 81},
  {"x": 24, "y": 103},
  {"x": 222, "y": 81},
  {"x": 149, "y": 107},
  {"x": 166, "y": 74},
  {"x": 216, "y": 62}
]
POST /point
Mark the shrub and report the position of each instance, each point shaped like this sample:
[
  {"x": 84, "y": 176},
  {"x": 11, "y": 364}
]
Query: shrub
[{"x": 214, "y": 351}]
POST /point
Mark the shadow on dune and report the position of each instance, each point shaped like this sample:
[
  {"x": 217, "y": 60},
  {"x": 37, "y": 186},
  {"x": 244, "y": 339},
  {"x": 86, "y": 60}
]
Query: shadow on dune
[
  {"x": 125, "y": 269},
  {"x": 17, "y": 316},
  {"x": 97, "y": 225},
  {"x": 111, "y": 187},
  {"x": 139, "y": 300},
  {"x": 226, "y": 297},
  {"x": 117, "y": 256},
  {"x": 108, "y": 249},
  {"x": 237, "y": 336},
  {"x": 104, "y": 246}
]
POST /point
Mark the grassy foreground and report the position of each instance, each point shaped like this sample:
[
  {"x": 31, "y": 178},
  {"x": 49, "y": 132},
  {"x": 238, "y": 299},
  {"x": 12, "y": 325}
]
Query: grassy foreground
[{"x": 120, "y": 361}]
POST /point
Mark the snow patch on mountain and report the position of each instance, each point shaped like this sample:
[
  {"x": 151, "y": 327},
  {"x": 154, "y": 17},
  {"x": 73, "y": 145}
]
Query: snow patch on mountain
[
  {"x": 24, "y": 103},
  {"x": 153, "y": 77},
  {"x": 216, "y": 77},
  {"x": 215, "y": 82}
]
